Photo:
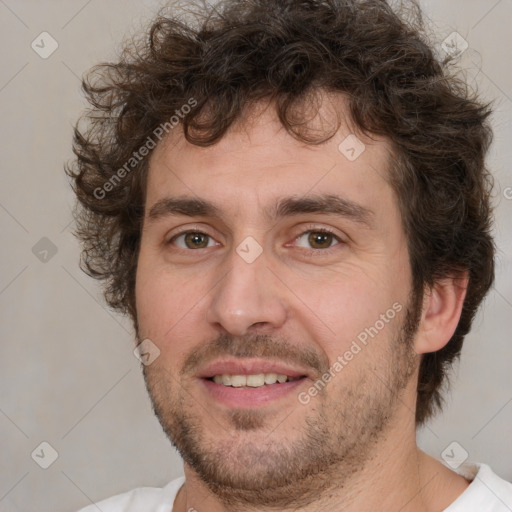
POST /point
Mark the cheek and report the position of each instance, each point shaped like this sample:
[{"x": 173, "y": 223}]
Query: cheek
[
  {"x": 168, "y": 302},
  {"x": 170, "y": 316},
  {"x": 349, "y": 306}
]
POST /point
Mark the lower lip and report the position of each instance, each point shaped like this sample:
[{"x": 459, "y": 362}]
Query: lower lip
[{"x": 246, "y": 397}]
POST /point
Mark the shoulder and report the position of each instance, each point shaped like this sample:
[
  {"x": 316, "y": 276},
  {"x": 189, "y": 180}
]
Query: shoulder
[
  {"x": 486, "y": 492},
  {"x": 140, "y": 500}
]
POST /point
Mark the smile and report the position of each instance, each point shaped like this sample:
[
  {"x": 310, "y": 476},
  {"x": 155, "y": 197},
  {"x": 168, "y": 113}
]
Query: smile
[{"x": 254, "y": 381}]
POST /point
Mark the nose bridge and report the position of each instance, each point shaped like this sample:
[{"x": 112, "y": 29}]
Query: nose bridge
[{"x": 247, "y": 294}]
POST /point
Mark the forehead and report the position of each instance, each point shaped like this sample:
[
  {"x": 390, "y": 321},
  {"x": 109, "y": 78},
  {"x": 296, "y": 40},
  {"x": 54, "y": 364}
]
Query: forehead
[{"x": 258, "y": 161}]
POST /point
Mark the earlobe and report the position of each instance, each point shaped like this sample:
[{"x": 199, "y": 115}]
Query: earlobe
[{"x": 442, "y": 307}]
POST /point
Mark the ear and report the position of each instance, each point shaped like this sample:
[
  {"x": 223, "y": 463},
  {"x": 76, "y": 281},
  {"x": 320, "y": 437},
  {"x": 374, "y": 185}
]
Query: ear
[{"x": 442, "y": 307}]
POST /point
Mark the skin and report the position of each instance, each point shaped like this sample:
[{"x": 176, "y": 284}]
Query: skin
[{"x": 352, "y": 447}]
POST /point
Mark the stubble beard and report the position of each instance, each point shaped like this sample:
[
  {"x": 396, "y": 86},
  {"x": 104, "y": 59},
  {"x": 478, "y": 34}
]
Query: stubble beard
[{"x": 338, "y": 440}]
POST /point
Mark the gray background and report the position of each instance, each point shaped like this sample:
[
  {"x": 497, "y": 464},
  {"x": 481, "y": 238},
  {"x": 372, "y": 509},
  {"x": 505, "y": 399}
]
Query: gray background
[{"x": 68, "y": 376}]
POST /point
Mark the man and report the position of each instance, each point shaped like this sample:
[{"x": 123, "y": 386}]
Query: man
[{"x": 290, "y": 200}]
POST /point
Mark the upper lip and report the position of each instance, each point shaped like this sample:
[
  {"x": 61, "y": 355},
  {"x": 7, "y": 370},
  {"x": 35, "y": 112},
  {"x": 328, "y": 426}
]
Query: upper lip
[{"x": 249, "y": 367}]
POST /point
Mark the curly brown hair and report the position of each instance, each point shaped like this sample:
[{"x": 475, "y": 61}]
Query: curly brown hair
[{"x": 242, "y": 51}]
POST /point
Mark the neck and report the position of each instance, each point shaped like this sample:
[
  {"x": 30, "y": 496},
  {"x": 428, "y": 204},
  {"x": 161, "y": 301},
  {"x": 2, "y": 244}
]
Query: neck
[{"x": 398, "y": 476}]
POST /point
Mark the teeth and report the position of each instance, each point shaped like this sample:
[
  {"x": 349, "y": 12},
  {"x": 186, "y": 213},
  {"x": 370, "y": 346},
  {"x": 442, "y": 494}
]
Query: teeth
[
  {"x": 270, "y": 378},
  {"x": 237, "y": 381},
  {"x": 253, "y": 381}
]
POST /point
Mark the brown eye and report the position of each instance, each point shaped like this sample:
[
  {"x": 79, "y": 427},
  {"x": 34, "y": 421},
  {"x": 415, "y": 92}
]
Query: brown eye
[
  {"x": 196, "y": 240},
  {"x": 320, "y": 240},
  {"x": 193, "y": 240}
]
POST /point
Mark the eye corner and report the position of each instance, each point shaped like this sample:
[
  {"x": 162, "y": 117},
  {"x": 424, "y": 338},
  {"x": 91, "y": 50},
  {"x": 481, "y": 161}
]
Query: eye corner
[
  {"x": 332, "y": 237},
  {"x": 210, "y": 240}
]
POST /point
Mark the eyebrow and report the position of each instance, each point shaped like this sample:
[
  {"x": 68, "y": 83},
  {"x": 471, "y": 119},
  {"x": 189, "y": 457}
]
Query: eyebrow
[
  {"x": 285, "y": 207},
  {"x": 324, "y": 203},
  {"x": 189, "y": 207}
]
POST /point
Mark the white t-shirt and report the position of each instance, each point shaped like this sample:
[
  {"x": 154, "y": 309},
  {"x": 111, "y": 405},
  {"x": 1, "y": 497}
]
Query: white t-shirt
[{"x": 486, "y": 493}]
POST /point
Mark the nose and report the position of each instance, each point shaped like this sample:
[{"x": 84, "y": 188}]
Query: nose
[{"x": 247, "y": 298}]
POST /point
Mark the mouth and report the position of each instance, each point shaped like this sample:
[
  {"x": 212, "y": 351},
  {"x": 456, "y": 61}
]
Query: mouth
[
  {"x": 245, "y": 384},
  {"x": 255, "y": 380}
]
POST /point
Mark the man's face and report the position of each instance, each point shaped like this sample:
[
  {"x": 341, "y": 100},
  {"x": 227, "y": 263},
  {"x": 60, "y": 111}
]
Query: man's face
[{"x": 261, "y": 255}]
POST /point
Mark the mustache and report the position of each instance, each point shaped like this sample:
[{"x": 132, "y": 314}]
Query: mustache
[{"x": 254, "y": 345}]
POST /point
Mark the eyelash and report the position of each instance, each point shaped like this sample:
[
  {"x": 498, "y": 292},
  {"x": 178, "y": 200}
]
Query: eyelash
[
  {"x": 306, "y": 251},
  {"x": 187, "y": 232},
  {"x": 316, "y": 252}
]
